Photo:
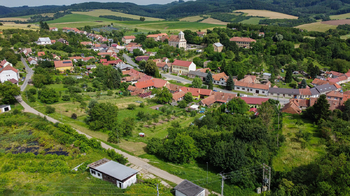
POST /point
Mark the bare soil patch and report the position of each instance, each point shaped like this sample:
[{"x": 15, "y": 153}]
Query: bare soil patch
[{"x": 337, "y": 22}]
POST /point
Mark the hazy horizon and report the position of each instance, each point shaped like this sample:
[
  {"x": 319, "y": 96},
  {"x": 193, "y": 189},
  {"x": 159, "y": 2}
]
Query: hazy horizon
[{"x": 19, "y": 3}]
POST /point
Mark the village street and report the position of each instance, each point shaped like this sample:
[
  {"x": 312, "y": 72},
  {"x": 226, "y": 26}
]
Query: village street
[{"x": 129, "y": 61}]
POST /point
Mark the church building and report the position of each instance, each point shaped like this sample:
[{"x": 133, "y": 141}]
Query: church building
[{"x": 178, "y": 41}]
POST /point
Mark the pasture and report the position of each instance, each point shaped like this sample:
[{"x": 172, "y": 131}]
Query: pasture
[
  {"x": 316, "y": 26},
  {"x": 253, "y": 21},
  {"x": 340, "y": 16},
  {"x": 12, "y": 25},
  {"x": 14, "y": 19},
  {"x": 99, "y": 12},
  {"x": 214, "y": 21},
  {"x": 191, "y": 19},
  {"x": 267, "y": 14}
]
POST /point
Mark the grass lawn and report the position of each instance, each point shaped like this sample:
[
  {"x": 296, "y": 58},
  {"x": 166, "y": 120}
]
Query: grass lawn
[
  {"x": 100, "y": 12},
  {"x": 316, "y": 26},
  {"x": 253, "y": 21},
  {"x": 291, "y": 153},
  {"x": 340, "y": 16},
  {"x": 345, "y": 86},
  {"x": 345, "y": 36},
  {"x": 12, "y": 25}
]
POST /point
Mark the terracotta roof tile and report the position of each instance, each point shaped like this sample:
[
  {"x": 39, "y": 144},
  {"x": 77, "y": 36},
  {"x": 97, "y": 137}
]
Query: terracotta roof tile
[
  {"x": 242, "y": 39},
  {"x": 65, "y": 63},
  {"x": 182, "y": 63}
]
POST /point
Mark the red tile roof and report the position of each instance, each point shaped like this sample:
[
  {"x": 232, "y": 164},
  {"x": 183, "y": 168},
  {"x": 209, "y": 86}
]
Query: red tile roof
[
  {"x": 254, "y": 100},
  {"x": 129, "y": 37},
  {"x": 65, "y": 63},
  {"x": 319, "y": 82},
  {"x": 305, "y": 91},
  {"x": 335, "y": 94},
  {"x": 193, "y": 91},
  {"x": 144, "y": 84},
  {"x": 13, "y": 81},
  {"x": 218, "y": 76},
  {"x": 337, "y": 86},
  {"x": 242, "y": 39},
  {"x": 41, "y": 54},
  {"x": 159, "y": 83},
  {"x": 182, "y": 63},
  {"x": 9, "y": 68},
  {"x": 178, "y": 95},
  {"x": 205, "y": 92}
]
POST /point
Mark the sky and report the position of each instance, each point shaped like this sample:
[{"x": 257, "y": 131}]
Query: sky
[{"x": 19, "y": 3}]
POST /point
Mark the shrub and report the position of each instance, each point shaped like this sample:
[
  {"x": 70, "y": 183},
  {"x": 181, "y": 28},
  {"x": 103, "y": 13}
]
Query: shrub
[
  {"x": 131, "y": 106},
  {"x": 193, "y": 113},
  {"x": 142, "y": 105},
  {"x": 74, "y": 116},
  {"x": 109, "y": 93},
  {"x": 50, "y": 110},
  {"x": 65, "y": 98},
  {"x": 32, "y": 91}
]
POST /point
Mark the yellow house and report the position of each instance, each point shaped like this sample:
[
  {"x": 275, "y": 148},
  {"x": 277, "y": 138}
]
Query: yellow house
[
  {"x": 62, "y": 66},
  {"x": 183, "y": 67}
]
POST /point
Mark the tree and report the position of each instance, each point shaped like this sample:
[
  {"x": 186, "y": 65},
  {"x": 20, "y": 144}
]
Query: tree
[
  {"x": 1, "y": 24},
  {"x": 102, "y": 116},
  {"x": 209, "y": 78},
  {"x": 197, "y": 82},
  {"x": 237, "y": 106},
  {"x": 48, "y": 95},
  {"x": 182, "y": 104},
  {"x": 151, "y": 68},
  {"x": 164, "y": 96},
  {"x": 320, "y": 110},
  {"x": 230, "y": 85},
  {"x": 346, "y": 112},
  {"x": 266, "y": 113},
  {"x": 181, "y": 149},
  {"x": 188, "y": 97},
  {"x": 142, "y": 18},
  {"x": 8, "y": 91},
  {"x": 288, "y": 78},
  {"x": 303, "y": 84}
]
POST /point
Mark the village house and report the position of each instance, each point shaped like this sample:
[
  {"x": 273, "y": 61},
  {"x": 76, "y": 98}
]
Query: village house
[
  {"x": 142, "y": 58},
  {"x": 261, "y": 34},
  {"x": 254, "y": 102},
  {"x": 149, "y": 84},
  {"x": 292, "y": 107},
  {"x": 53, "y": 29},
  {"x": 220, "y": 79},
  {"x": 86, "y": 43},
  {"x": 217, "y": 97},
  {"x": 182, "y": 67},
  {"x": 201, "y": 34},
  {"x": 218, "y": 47},
  {"x": 63, "y": 41},
  {"x": 242, "y": 42},
  {"x": 335, "y": 95},
  {"x": 163, "y": 66},
  {"x": 323, "y": 89},
  {"x": 173, "y": 87},
  {"x": 250, "y": 84},
  {"x": 178, "y": 96},
  {"x": 43, "y": 41},
  {"x": 26, "y": 51},
  {"x": 64, "y": 65},
  {"x": 178, "y": 41},
  {"x": 8, "y": 72},
  {"x": 40, "y": 54},
  {"x": 4, "y": 108},
  {"x": 113, "y": 172},
  {"x": 128, "y": 39},
  {"x": 32, "y": 61},
  {"x": 187, "y": 188},
  {"x": 201, "y": 75}
]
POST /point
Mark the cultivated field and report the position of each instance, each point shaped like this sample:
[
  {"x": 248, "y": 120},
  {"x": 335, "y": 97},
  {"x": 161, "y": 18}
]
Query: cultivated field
[
  {"x": 14, "y": 19},
  {"x": 191, "y": 19},
  {"x": 12, "y": 25},
  {"x": 341, "y": 16},
  {"x": 253, "y": 21},
  {"x": 214, "y": 21},
  {"x": 316, "y": 26},
  {"x": 337, "y": 22},
  {"x": 267, "y": 14},
  {"x": 99, "y": 12}
]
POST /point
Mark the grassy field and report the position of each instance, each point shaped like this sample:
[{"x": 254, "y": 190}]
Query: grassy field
[
  {"x": 14, "y": 19},
  {"x": 253, "y": 21},
  {"x": 191, "y": 18},
  {"x": 340, "y": 16},
  {"x": 99, "y": 12},
  {"x": 345, "y": 36},
  {"x": 291, "y": 153},
  {"x": 267, "y": 14},
  {"x": 78, "y": 18},
  {"x": 214, "y": 21},
  {"x": 12, "y": 25},
  {"x": 316, "y": 26}
]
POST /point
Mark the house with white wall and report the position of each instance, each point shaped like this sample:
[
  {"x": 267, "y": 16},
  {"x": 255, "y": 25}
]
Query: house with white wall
[
  {"x": 8, "y": 73},
  {"x": 187, "y": 188},
  {"x": 44, "y": 41},
  {"x": 113, "y": 172},
  {"x": 182, "y": 67}
]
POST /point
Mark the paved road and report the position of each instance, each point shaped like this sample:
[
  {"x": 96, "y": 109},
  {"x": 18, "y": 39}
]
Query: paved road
[
  {"x": 129, "y": 61},
  {"x": 28, "y": 76},
  {"x": 185, "y": 81}
]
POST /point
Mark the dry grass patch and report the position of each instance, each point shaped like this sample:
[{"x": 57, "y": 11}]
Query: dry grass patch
[
  {"x": 316, "y": 26},
  {"x": 340, "y": 16},
  {"x": 191, "y": 18},
  {"x": 14, "y": 19},
  {"x": 138, "y": 148},
  {"x": 267, "y": 14},
  {"x": 12, "y": 25},
  {"x": 100, "y": 12},
  {"x": 214, "y": 21}
]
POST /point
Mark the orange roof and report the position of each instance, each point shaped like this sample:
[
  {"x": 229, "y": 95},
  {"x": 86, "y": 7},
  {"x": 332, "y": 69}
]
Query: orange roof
[
  {"x": 206, "y": 92},
  {"x": 253, "y": 85},
  {"x": 158, "y": 83},
  {"x": 9, "y": 68},
  {"x": 335, "y": 94},
  {"x": 144, "y": 84},
  {"x": 153, "y": 35},
  {"x": 193, "y": 91},
  {"x": 41, "y": 53},
  {"x": 182, "y": 63},
  {"x": 218, "y": 76},
  {"x": 129, "y": 37},
  {"x": 292, "y": 107},
  {"x": 337, "y": 86},
  {"x": 319, "y": 82},
  {"x": 203, "y": 70},
  {"x": 341, "y": 78},
  {"x": 242, "y": 39},
  {"x": 305, "y": 91},
  {"x": 178, "y": 95},
  {"x": 65, "y": 63}
]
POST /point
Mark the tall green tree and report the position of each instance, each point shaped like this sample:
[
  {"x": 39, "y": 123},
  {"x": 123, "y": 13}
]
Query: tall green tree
[
  {"x": 102, "y": 116},
  {"x": 320, "y": 110},
  {"x": 188, "y": 97},
  {"x": 197, "y": 82},
  {"x": 209, "y": 78},
  {"x": 8, "y": 91},
  {"x": 48, "y": 95},
  {"x": 266, "y": 112},
  {"x": 237, "y": 106},
  {"x": 164, "y": 96},
  {"x": 346, "y": 110},
  {"x": 151, "y": 68},
  {"x": 230, "y": 84},
  {"x": 181, "y": 149},
  {"x": 303, "y": 84},
  {"x": 289, "y": 75}
]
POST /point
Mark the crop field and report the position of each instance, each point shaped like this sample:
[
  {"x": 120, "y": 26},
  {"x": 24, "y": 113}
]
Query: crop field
[
  {"x": 337, "y": 22},
  {"x": 14, "y": 19},
  {"x": 191, "y": 18},
  {"x": 99, "y": 12},
  {"x": 214, "y": 21},
  {"x": 267, "y": 14},
  {"x": 77, "y": 18},
  {"x": 316, "y": 26},
  {"x": 12, "y": 25},
  {"x": 340, "y": 16},
  {"x": 253, "y": 21}
]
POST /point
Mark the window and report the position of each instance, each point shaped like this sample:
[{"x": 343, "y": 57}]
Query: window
[
  {"x": 93, "y": 172},
  {"x": 243, "y": 88},
  {"x": 238, "y": 88},
  {"x": 98, "y": 174}
]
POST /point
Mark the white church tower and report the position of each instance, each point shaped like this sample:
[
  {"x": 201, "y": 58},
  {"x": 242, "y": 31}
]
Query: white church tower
[{"x": 182, "y": 40}]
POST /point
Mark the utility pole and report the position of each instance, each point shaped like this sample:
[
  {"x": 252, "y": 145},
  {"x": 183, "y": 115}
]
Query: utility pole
[
  {"x": 269, "y": 177},
  {"x": 278, "y": 118},
  {"x": 157, "y": 190},
  {"x": 207, "y": 172},
  {"x": 265, "y": 179},
  {"x": 222, "y": 184}
]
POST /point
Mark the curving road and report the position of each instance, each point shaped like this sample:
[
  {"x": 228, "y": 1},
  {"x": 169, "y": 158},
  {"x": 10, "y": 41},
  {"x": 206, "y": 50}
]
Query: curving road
[
  {"x": 28, "y": 76},
  {"x": 129, "y": 61}
]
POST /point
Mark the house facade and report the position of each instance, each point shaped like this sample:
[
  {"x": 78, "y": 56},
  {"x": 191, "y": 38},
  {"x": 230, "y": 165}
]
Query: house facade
[
  {"x": 242, "y": 42},
  {"x": 113, "y": 172},
  {"x": 44, "y": 41},
  {"x": 4, "y": 108},
  {"x": 128, "y": 39},
  {"x": 178, "y": 41},
  {"x": 9, "y": 73},
  {"x": 64, "y": 65},
  {"x": 182, "y": 67},
  {"x": 218, "y": 47},
  {"x": 220, "y": 79}
]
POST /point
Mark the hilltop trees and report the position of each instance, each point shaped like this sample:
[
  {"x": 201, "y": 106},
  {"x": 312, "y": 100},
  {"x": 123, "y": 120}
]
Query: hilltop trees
[{"x": 8, "y": 91}]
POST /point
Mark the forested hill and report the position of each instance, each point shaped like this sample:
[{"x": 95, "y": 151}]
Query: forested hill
[{"x": 182, "y": 9}]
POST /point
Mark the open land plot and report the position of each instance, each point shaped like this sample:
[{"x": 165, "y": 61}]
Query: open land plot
[
  {"x": 14, "y": 19},
  {"x": 345, "y": 36},
  {"x": 337, "y": 22},
  {"x": 267, "y": 14},
  {"x": 316, "y": 26},
  {"x": 253, "y": 21},
  {"x": 78, "y": 18},
  {"x": 291, "y": 153},
  {"x": 214, "y": 21},
  {"x": 191, "y": 18},
  {"x": 12, "y": 25},
  {"x": 340, "y": 16},
  {"x": 99, "y": 12}
]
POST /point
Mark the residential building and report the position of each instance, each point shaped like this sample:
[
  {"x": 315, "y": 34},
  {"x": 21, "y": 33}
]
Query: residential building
[
  {"x": 335, "y": 95},
  {"x": 163, "y": 66},
  {"x": 201, "y": 34},
  {"x": 63, "y": 41},
  {"x": 292, "y": 107},
  {"x": 141, "y": 58},
  {"x": 122, "y": 66},
  {"x": 32, "y": 61},
  {"x": 318, "y": 82},
  {"x": 43, "y": 41},
  {"x": 182, "y": 67},
  {"x": 159, "y": 83},
  {"x": 26, "y": 51},
  {"x": 217, "y": 97},
  {"x": 218, "y": 47},
  {"x": 201, "y": 75},
  {"x": 8, "y": 73},
  {"x": 89, "y": 67},
  {"x": 220, "y": 79},
  {"x": 113, "y": 172},
  {"x": 284, "y": 92},
  {"x": 173, "y": 87},
  {"x": 40, "y": 54},
  {"x": 243, "y": 42},
  {"x": 128, "y": 39},
  {"x": 254, "y": 102},
  {"x": 250, "y": 84},
  {"x": 187, "y": 188},
  {"x": 261, "y": 34},
  {"x": 178, "y": 41},
  {"x": 148, "y": 84},
  {"x": 4, "y": 108},
  {"x": 64, "y": 65},
  {"x": 178, "y": 96},
  {"x": 86, "y": 43},
  {"x": 323, "y": 89}
]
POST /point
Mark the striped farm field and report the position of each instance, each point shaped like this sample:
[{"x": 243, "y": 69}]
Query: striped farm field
[
  {"x": 253, "y": 21},
  {"x": 191, "y": 18},
  {"x": 13, "y": 19},
  {"x": 214, "y": 21},
  {"x": 267, "y": 14},
  {"x": 99, "y": 12},
  {"x": 316, "y": 26}
]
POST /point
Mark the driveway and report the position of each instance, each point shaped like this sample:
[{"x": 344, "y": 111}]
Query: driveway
[
  {"x": 29, "y": 75},
  {"x": 129, "y": 61}
]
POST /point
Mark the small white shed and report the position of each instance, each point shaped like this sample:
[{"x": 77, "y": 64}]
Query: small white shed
[
  {"x": 187, "y": 188},
  {"x": 5, "y": 108}
]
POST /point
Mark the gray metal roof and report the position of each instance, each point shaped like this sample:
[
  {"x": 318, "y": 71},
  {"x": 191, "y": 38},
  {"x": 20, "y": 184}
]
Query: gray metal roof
[
  {"x": 314, "y": 91},
  {"x": 116, "y": 170},
  {"x": 188, "y": 188},
  {"x": 3, "y": 106},
  {"x": 124, "y": 66},
  {"x": 325, "y": 88},
  {"x": 284, "y": 91},
  {"x": 197, "y": 73},
  {"x": 44, "y": 39},
  {"x": 218, "y": 44}
]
